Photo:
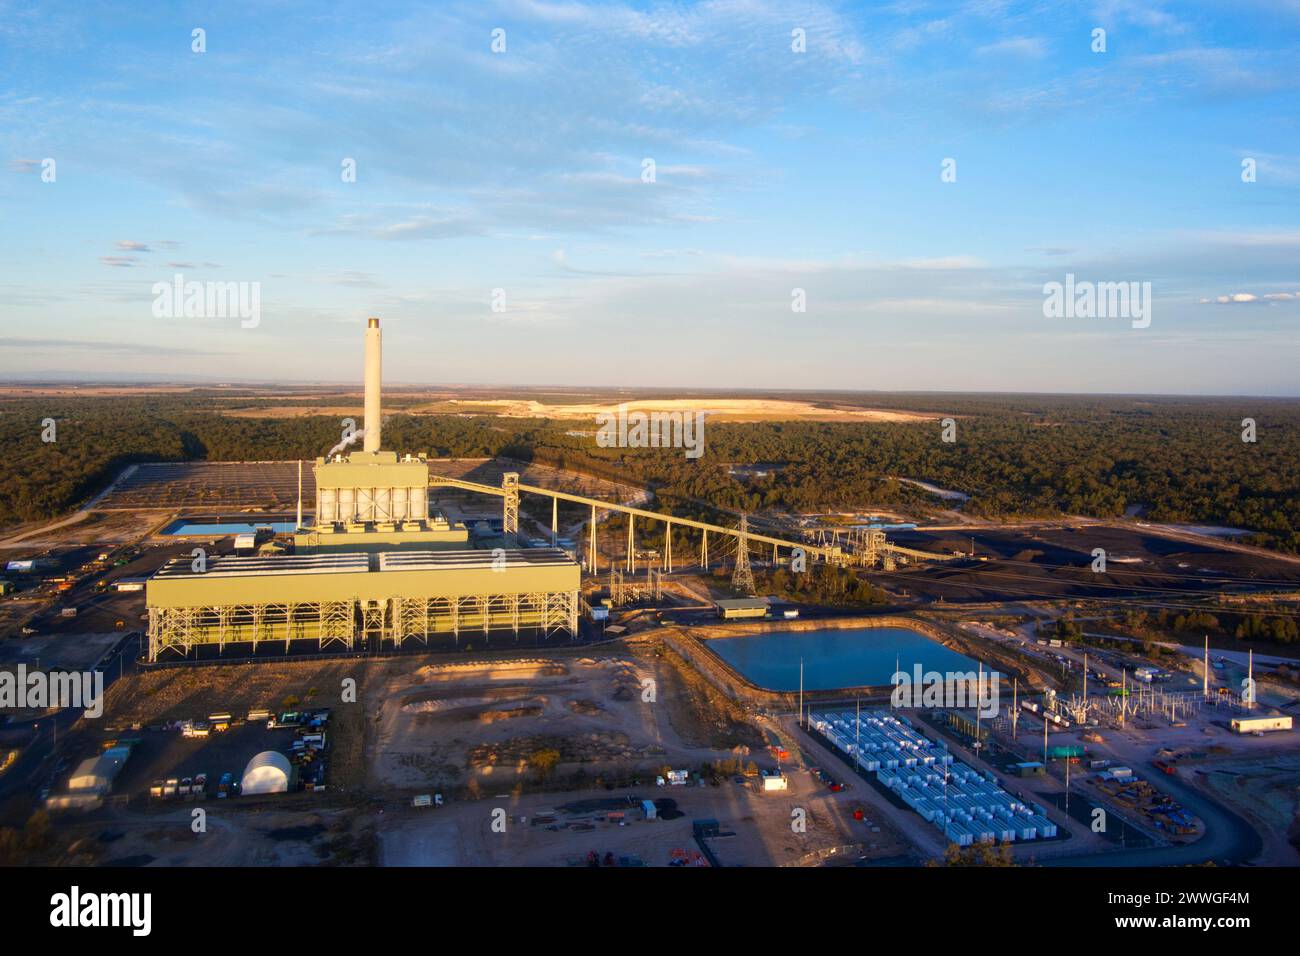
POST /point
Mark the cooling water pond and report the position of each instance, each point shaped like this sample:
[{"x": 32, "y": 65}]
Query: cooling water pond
[{"x": 835, "y": 657}]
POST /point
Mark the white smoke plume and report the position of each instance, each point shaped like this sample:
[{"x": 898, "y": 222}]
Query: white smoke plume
[{"x": 350, "y": 440}]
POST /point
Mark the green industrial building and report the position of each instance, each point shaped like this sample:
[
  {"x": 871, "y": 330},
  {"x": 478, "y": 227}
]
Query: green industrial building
[
  {"x": 376, "y": 567},
  {"x": 343, "y": 599}
]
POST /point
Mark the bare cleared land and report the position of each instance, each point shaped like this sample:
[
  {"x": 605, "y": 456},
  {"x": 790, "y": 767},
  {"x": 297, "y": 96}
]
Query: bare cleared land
[{"x": 717, "y": 409}]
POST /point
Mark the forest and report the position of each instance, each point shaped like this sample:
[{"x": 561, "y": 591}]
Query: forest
[{"x": 1163, "y": 460}]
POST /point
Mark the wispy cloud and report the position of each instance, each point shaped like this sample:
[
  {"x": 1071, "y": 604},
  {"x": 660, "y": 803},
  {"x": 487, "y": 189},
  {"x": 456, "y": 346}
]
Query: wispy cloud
[{"x": 1251, "y": 298}]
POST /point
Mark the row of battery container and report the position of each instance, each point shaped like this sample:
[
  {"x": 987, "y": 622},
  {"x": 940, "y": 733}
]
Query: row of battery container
[{"x": 972, "y": 808}]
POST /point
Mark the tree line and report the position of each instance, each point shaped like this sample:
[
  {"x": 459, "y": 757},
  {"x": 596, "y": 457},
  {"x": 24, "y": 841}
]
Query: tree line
[{"x": 1165, "y": 460}]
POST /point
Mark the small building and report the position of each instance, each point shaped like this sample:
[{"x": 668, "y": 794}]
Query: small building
[
  {"x": 732, "y": 609},
  {"x": 268, "y": 772},
  {"x": 1029, "y": 768},
  {"x": 772, "y": 781},
  {"x": 95, "y": 775},
  {"x": 1251, "y": 725},
  {"x": 129, "y": 584},
  {"x": 648, "y": 809}
]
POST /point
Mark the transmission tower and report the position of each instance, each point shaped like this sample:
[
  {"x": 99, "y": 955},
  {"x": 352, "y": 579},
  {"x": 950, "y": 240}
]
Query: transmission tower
[{"x": 742, "y": 579}]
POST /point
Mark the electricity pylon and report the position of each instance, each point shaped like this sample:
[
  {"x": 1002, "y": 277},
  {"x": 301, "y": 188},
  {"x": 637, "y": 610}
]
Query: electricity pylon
[{"x": 742, "y": 579}]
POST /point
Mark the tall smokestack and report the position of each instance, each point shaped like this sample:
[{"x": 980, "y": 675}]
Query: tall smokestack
[{"x": 373, "y": 413}]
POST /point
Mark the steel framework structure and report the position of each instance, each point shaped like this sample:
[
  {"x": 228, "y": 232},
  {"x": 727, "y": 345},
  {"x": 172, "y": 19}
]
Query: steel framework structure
[
  {"x": 395, "y": 619},
  {"x": 864, "y": 549}
]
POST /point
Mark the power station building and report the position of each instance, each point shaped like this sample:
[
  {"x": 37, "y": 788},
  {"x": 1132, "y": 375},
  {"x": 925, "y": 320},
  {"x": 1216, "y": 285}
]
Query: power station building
[{"x": 376, "y": 566}]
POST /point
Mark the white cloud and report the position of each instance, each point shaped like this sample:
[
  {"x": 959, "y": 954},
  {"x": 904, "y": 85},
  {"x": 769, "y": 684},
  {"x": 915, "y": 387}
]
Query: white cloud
[
  {"x": 1030, "y": 48},
  {"x": 1248, "y": 298}
]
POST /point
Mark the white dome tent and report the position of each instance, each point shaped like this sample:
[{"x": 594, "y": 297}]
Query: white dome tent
[{"x": 268, "y": 772}]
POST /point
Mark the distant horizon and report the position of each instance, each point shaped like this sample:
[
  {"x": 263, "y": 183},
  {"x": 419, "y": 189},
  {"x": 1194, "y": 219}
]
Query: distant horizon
[{"x": 13, "y": 382}]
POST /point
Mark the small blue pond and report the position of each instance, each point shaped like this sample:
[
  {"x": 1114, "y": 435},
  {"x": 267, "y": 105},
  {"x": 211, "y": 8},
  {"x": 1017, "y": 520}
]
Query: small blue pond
[{"x": 194, "y": 529}]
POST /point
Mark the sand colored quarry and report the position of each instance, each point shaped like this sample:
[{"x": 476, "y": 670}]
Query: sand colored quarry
[
  {"x": 717, "y": 409},
  {"x": 296, "y": 411}
]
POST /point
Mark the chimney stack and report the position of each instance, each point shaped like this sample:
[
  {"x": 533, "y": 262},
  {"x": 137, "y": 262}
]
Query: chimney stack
[{"x": 373, "y": 413}]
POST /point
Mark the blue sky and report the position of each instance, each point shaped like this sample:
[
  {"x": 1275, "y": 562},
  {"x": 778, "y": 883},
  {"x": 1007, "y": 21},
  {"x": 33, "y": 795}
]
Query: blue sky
[{"x": 775, "y": 170}]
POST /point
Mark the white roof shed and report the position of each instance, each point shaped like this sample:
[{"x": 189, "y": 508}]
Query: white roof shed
[{"x": 268, "y": 772}]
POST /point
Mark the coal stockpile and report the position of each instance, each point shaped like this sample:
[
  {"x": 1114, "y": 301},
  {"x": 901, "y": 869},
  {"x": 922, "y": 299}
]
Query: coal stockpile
[{"x": 1010, "y": 565}]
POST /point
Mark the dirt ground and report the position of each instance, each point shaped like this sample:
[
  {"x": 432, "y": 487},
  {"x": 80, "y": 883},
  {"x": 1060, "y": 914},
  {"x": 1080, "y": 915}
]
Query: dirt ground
[
  {"x": 757, "y": 828},
  {"x": 477, "y": 726},
  {"x": 236, "y": 835},
  {"x": 194, "y": 692},
  {"x": 471, "y": 729},
  {"x": 77, "y": 530},
  {"x": 558, "y": 720},
  {"x": 1270, "y": 800}
]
